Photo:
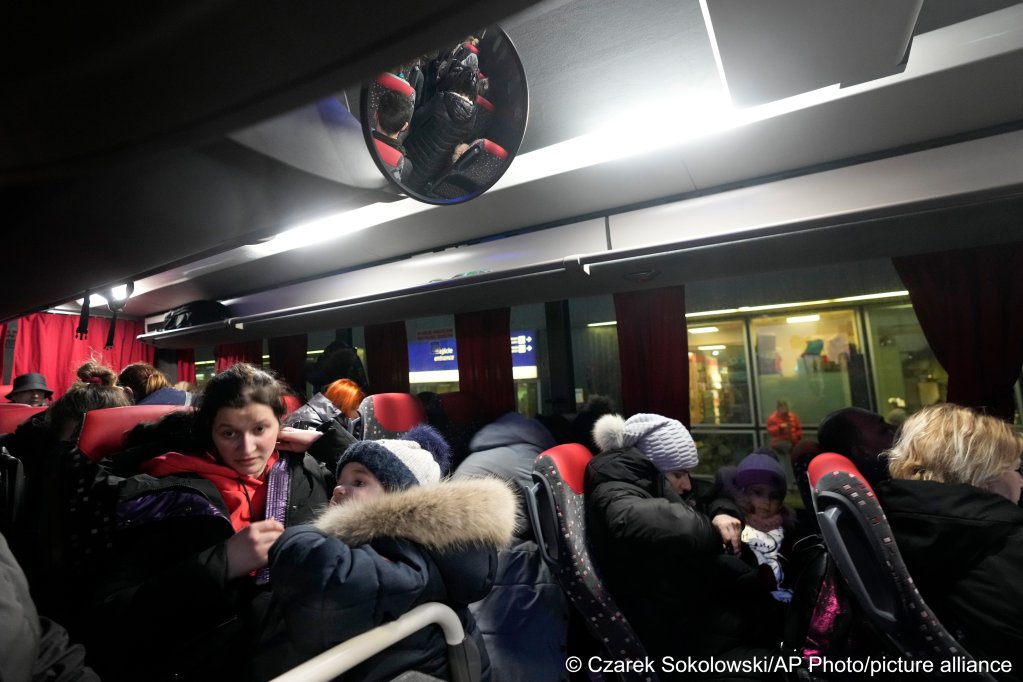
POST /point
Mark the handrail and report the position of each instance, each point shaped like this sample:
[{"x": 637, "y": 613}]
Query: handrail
[{"x": 350, "y": 653}]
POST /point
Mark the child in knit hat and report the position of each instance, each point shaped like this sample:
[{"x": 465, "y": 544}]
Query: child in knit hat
[
  {"x": 758, "y": 486},
  {"x": 395, "y": 536}
]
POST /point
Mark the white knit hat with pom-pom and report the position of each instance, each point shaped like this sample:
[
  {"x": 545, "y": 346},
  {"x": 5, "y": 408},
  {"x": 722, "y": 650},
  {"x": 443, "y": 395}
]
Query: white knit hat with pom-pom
[{"x": 665, "y": 442}]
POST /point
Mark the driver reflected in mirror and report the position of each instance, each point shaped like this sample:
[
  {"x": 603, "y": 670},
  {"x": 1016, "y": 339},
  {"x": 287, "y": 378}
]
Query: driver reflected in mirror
[{"x": 433, "y": 126}]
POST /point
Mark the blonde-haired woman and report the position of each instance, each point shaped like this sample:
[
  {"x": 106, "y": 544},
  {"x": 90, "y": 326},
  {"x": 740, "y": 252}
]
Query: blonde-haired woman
[{"x": 952, "y": 505}]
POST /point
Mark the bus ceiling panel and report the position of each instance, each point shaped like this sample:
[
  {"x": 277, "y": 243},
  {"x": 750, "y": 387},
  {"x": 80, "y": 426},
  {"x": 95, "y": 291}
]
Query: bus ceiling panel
[
  {"x": 132, "y": 77},
  {"x": 478, "y": 292},
  {"x": 987, "y": 222},
  {"x": 769, "y": 51},
  {"x": 135, "y": 219},
  {"x": 323, "y": 138},
  {"x": 962, "y": 80},
  {"x": 935, "y": 176},
  {"x": 493, "y": 259},
  {"x": 590, "y": 190}
]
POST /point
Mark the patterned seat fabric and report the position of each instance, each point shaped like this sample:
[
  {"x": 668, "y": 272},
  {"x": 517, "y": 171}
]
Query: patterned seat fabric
[
  {"x": 558, "y": 511},
  {"x": 860, "y": 541},
  {"x": 389, "y": 415},
  {"x": 474, "y": 170}
]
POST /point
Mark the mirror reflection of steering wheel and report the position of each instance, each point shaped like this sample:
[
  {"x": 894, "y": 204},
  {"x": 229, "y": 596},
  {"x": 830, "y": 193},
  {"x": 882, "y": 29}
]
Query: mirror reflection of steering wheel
[{"x": 445, "y": 126}]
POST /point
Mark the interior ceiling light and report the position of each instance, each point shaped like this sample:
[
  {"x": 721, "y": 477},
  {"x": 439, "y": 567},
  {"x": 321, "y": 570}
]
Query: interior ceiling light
[
  {"x": 602, "y": 324},
  {"x": 799, "y": 304},
  {"x": 717, "y": 346},
  {"x": 799, "y": 319},
  {"x": 870, "y": 297},
  {"x": 702, "y": 330}
]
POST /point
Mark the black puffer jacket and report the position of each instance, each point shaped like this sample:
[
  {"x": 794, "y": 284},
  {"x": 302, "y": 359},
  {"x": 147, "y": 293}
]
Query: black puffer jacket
[
  {"x": 964, "y": 548},
  {"x": 662, "y": 559},
  {"x": 435, "y": 134}
]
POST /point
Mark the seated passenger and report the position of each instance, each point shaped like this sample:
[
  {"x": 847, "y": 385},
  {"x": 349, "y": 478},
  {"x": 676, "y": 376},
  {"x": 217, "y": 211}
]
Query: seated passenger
[
  {"x": 337, "y": 361},
  {"x": 657, "y": 539},
  {"x": 96, "y": 388},
  {"x": 148, "y": 386},
  {"x": 861, "y": 435},
  {"x": 394, "y": 112},
  {"x": 952, "y": 505},
  {"x": 35, "y": 648},
  {"x": 339, "y": 401},
  {"x": 186, "y": 593},
  {"x": 758, "y": 487},
  {"x": 29, "y": 389},
  {"x": 393, "y": 538},
  {"x": 441, "y": 125},
  {"x": 524, "y": 619}
]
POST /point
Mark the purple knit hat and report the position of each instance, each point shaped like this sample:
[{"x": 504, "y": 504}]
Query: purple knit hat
[{"x": 759, "y": 467}]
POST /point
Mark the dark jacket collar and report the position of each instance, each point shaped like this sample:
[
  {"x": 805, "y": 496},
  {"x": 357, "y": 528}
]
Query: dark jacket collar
[
  {"x": 949, "y": 523},
  {"x": 625, "y": 466}
]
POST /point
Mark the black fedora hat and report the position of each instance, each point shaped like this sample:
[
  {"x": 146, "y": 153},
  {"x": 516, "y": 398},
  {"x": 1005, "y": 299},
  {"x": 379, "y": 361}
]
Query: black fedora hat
[{"x": 29, "y": 382}]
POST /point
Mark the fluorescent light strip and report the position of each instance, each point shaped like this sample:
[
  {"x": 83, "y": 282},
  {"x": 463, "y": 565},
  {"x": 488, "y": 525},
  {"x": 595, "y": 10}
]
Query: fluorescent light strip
[
  {"x": 799, "y": 304},
  {"x": 703, "y": 330},
  {"x": 602, "y": 324},
  {"x": 433, "y": 377},
  {"x": 714, "y": 347},
  {"x": 778, "y": 306},
  {"x": 871, "y": 297},
  {"x": 800, "y": 319}
]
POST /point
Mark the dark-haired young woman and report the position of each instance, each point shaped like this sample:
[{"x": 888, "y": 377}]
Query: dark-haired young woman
[{"x": 188, "y": 593}]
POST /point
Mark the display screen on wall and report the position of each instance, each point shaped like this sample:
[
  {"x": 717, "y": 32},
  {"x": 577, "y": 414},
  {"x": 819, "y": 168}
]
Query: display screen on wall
[{"x": 428, "y": 356}]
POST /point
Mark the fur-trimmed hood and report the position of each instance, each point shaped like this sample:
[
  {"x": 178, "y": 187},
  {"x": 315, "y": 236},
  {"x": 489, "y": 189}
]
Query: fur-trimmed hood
[{"x": 448, "y": 516}]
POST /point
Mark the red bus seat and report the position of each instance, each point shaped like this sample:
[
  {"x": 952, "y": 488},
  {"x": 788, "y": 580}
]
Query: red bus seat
[
  {"x": 104, "y": 431},
  {"x": 558, "y": 515},
  {"x": 13, "y": 414},
  {"x": 474, "y": 170},
  {"x": 860, "y": 541},
  {"x": 291, "y": 403},
  {"x": 388, "y": 415}
]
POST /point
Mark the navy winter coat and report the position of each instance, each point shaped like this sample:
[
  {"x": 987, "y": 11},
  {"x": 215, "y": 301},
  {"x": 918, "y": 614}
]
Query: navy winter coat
[{"x": 366, "y": 563}]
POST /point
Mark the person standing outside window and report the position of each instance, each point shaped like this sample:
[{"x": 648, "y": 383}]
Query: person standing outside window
[{"x": 784, "y": 429}]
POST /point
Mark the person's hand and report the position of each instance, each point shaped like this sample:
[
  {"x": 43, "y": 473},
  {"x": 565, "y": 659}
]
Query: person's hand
[
  {"x": 247, "y": 549},
  {"x": 290, "y": 438},
  {"x": 460, "y": 149},
  {"x": 730, "y": 529}
]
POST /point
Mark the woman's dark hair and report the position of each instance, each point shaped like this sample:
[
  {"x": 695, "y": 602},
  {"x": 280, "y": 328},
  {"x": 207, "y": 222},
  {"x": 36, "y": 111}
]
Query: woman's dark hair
[
  {"x": 460, "y": 79},
  {"x": 95, "y": 389},
  {"x": 237, "y": 386}
]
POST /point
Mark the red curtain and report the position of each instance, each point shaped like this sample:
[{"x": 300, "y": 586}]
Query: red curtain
[
  {"x": 387, "y": 357},
  {"x": 186, "y": 365},
  {"x": 46, "y": 344},
  {"x": 228, "y": 354},
  {"x": 484, "y": 359},
  {"x": 287, "y": 359},
  {"x": 3, "y": 350},
  {"x": 653, "y": 351},
  {"x": 968, "y": 303}
]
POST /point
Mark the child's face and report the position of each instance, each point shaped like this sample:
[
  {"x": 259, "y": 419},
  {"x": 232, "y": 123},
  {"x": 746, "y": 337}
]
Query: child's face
[
  {"x": 763, "y": 499},
  {"x": 356, "y": 484}
]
